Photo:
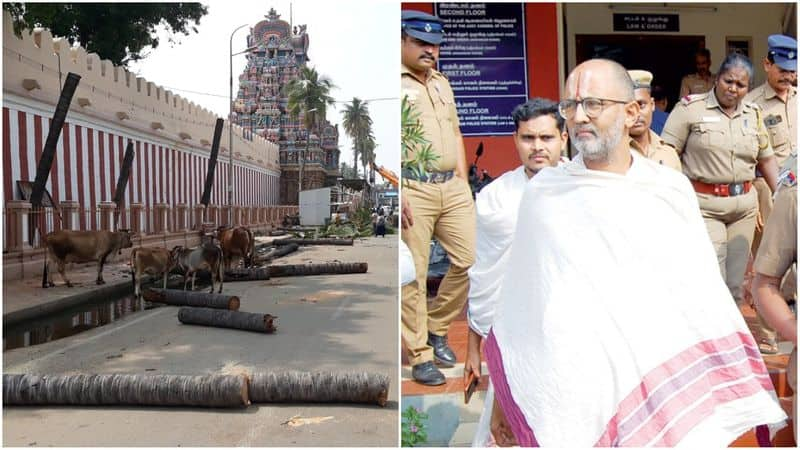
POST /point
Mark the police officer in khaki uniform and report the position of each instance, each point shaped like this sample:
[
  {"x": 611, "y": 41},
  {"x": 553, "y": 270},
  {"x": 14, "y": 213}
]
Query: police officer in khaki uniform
[
  {"x": 778, "y": 101},
  {"x": 435, "y": 204},
  {"x": 721, "y": 140},
  {"x": 777, "y": 253},
  {"x": 702, "y": 81},
  {"x": 643, "y": 139}
]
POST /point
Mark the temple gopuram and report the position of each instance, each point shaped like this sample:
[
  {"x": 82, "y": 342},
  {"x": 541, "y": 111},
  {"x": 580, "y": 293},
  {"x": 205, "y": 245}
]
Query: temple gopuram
[{"x": 277, "y": 53}]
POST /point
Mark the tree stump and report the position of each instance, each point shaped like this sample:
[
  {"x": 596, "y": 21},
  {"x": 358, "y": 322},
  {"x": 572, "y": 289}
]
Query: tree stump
[
  {"x": 320, "y": 387},
  {"x": 249, "y": 274},
  {"x": 119, "y": 389},
  {"x": 293, "y": 270},
  {"x": 324, "y": 241},
  {"x": 178, "y": 297},
  {"x": 228, "y": 319}
]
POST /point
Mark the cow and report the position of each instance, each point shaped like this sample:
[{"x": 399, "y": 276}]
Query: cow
[
  {"x": 151, "y": 260},
  {"x": 66, "y": 246},
  {"x": 207, "y": 255},
  {"x": 236, "y": 243}
]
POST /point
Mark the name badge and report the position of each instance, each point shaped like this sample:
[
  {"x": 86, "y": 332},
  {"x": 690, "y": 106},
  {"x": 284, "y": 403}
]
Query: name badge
[{"x": 710, "y": 119}]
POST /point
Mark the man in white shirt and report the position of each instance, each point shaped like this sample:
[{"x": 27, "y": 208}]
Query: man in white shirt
[{"x": 539, "y": 139}]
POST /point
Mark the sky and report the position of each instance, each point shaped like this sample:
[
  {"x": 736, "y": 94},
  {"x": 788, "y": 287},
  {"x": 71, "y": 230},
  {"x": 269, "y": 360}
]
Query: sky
[{"x": 354, "y": 43}]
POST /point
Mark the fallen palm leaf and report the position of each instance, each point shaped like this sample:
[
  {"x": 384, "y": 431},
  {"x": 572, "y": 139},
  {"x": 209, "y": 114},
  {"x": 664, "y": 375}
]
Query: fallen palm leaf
[{"x": 297, "y": 421}]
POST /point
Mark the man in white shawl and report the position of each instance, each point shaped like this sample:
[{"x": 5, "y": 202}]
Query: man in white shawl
[
  {"x": 605, "y": 334},
  {"x": 539, "y": 139}
]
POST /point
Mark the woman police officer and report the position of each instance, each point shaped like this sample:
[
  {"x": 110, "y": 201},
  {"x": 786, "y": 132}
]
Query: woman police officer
[{"x": 721, "y": 140}]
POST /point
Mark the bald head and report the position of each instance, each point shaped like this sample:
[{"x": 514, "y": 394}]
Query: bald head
[{"x": 602, "y": 78}]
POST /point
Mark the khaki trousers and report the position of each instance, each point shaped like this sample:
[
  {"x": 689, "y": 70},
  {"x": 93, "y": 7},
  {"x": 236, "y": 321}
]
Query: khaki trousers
[
  {"x": 765, "y": 332},
  {"x": 445, "y": 211},
  {"x": 730, "y": 222}
]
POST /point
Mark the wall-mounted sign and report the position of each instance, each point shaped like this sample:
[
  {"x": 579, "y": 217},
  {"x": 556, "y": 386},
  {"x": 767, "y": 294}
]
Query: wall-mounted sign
[
  {"x": 483, "y": 56},
  {"x": 646, "y": 22}
]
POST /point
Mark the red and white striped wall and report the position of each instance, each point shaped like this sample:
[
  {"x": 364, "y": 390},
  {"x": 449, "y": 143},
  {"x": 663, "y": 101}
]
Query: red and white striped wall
[{"x": 88, "y": 159}]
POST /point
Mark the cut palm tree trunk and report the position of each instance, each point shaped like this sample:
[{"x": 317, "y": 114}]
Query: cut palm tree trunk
[
  {"x": 249, "y": 274},
  {"x": 294, "y": 270},
  {"x": 281, "y": 250},
  {"x": 320, "y": 387},
  {"x": 117, "y": 389},
  {"x": 178, "y": 297},
  {"x": 326, "y": 241},
  {"x": 228, "y": 319}
]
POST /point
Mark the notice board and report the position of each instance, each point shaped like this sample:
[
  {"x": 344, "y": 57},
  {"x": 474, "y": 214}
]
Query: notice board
[{"x": 483, "y": 55}]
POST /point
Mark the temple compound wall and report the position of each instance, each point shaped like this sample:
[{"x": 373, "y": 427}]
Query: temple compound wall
[{"x": 111, "y": 107}]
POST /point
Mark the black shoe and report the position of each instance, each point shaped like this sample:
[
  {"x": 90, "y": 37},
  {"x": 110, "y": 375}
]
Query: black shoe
[
  {"x": 427, "y": 374},
  {"x": 442, "y": 353}
]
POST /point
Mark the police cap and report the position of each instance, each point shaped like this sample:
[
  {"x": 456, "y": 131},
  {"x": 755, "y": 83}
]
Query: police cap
[
  {"x": 641, "y": 78},
  {"x": 783, "y": 50},
  {"x": 423, "y": 26}
]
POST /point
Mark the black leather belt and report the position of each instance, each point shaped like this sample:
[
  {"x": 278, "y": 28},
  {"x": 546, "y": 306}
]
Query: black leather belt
[{"x": 430, "y": 177}]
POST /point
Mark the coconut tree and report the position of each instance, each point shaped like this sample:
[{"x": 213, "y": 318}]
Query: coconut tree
[
  {"x": 368, "y": 154},
  {"x": 358, "y": 125},
  {"x": 309, "y": 96}
]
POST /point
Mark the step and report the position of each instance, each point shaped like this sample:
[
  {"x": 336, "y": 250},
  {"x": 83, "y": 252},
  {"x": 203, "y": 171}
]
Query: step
[{"x": 464, "y": 434}]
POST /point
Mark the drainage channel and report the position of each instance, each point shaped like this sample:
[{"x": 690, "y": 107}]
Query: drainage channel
[{"x": 69, "y": 322}]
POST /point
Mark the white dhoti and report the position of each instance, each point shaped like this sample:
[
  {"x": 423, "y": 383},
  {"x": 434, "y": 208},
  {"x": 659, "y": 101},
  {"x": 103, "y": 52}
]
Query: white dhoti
[
  {"x": 606, "y": 334},
  {"x": 496, "y": 208}
]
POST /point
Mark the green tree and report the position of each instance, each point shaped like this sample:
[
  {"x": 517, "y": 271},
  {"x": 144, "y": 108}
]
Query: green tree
[
  {"x": 118, "y": 32},
  {"x": 309, "y": 96},
  {"x": 358, "y": 125},
  {"x": 368, "y": 155}
]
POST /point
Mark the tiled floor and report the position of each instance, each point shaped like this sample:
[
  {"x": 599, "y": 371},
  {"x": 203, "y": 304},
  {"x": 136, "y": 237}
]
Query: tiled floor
[{"x": 457, "y": 338}]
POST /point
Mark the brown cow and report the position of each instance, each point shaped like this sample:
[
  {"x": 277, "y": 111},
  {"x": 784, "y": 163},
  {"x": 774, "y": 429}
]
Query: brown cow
[
  {"x": 66, "y": 246},
  {"x": 236, "y": 243},
  {"x": 151, "y": 260}
]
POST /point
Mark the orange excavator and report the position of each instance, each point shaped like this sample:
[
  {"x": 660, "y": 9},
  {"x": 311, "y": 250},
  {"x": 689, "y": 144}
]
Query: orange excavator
[{"x": 387, "y": 174}]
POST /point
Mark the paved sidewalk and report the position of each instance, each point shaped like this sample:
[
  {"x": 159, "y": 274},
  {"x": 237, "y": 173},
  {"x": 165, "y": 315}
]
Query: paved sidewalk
[{"x": 451, "y": 423}]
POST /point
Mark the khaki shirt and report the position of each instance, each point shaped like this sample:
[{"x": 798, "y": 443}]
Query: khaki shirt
[
  {"x": 694, "y": 84},
  {"x": 659, "y": 151},
  {"x": 434, "y": 101},
  {"x": 715, "y": 148},
  {"x": 778, "y": 249},
  {"x": 780, "y": 118}
]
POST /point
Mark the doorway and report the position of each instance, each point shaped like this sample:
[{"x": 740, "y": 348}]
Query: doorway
[{"x": 669, "y": 58}]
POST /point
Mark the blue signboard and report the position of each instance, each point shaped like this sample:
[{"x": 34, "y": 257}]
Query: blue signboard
[{"x": 483, "y": 56}]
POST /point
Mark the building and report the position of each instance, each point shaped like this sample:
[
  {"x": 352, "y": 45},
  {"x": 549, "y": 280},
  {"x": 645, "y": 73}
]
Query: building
[
  {"x": 498, "y": 55},
  {"x": 276, "y": 53}
]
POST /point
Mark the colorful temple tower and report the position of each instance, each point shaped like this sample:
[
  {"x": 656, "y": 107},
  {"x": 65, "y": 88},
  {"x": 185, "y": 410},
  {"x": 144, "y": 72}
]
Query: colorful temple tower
[{"x": 277, "y": 53}]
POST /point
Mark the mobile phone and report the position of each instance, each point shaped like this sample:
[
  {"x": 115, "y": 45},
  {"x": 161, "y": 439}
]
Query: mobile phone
[{"x": 469, "y": 389}]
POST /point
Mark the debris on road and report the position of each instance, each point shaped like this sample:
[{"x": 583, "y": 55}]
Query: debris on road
[
  {"x": 177, "y": 297},
  {"x": 228, "y": 319}
]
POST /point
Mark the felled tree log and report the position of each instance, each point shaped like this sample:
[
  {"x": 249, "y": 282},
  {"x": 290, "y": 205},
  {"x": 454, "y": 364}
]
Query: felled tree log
[
  {"x": 249, "y": 274},
  {"x": 228, "y": 319},
  {"x": 178, "y": 297},
  {"x": 320, "y": 387},
  {"x": 325, "y": 241},
  {"x": 116, "y": 389},
  {"x": 294, "y": 270},
  {"x": 281, "y": 250}
]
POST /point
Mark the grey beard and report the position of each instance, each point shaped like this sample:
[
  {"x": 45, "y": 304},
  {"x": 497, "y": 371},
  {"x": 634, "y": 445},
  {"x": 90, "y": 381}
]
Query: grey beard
[{"x": 600, "y": 150}]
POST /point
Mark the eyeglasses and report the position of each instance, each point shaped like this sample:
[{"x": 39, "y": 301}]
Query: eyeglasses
[{"x": 591, "y": 106}]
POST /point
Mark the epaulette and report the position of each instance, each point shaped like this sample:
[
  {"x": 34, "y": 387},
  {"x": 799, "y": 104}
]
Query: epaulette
[
  {"x": 691, "y": 98},
  {"x": 436, "y": 72},
  {"x": 752, "y": 105}
]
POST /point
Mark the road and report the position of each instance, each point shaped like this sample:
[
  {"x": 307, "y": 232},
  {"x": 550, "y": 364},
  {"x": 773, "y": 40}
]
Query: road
[{"x": 334, "y": 322}]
